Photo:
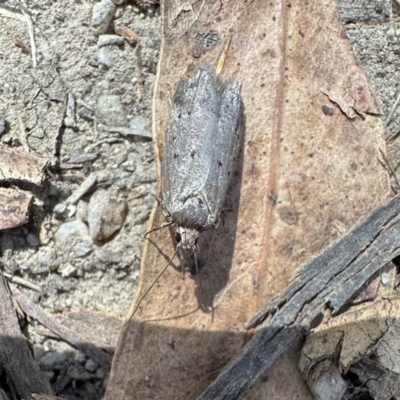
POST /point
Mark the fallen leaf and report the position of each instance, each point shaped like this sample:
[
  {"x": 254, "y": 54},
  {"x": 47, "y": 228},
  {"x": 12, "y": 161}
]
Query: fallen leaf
[
  {"x": 14, "y": 208},
  {"x": 309, "y": 170},
  {"x": 354, "y": 335},
  {"x": 19, "y": 165}
]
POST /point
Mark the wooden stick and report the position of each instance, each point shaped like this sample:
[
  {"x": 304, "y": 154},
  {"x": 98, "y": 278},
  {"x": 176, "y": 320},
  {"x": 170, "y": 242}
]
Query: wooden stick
[
  {"x": 330, "y": 279},
  {"x": 21, "y": 368},
  {"x": 68, "y": 335}
]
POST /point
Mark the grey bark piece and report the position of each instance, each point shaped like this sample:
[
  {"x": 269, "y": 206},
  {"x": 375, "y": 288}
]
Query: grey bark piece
[
  {"x": 364, "y": 10},
  {"x": 201, "y": 146},
  {"x": 332, "y": 278}
]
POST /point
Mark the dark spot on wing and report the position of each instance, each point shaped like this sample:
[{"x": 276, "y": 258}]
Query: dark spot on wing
[
  {"x": 176, "y": 155},
  {"x": 192, "y": 154},
  {"x": 219, "y": 164},
  {"x": 200, "y": 202}
]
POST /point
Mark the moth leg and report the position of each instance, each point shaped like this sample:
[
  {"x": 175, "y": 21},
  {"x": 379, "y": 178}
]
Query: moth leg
[
  {"x": 166, "y": 215},
  {"x": 163, "y": 225},
  {"x": 197, "y": 269},
  {"x": 161, "y": 205}
]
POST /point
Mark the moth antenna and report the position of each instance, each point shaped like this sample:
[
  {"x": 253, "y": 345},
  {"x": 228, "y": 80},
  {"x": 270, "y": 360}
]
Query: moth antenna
[
  {"x": 152, "y": 285},
  {"x": 223, "y": 55}
]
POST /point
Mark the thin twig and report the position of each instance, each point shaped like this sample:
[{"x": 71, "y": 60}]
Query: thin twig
[
  {"x": 29, "y": 22},
  {"x": 11, "y": 12},
  {"x": 22, "y": 282},
  {"x": 390, "y": 169},
  {"x": 138, "y": 72},
  {"x": 68, "y": 335},
  {"x": 393, "y": 110}
]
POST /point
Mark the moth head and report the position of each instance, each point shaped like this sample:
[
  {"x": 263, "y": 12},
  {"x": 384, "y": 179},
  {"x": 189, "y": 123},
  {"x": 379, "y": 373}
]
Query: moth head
[{"x": 187, "y": 238}]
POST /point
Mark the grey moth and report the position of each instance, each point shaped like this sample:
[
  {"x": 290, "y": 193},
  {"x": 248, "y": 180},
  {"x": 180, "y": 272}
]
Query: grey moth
[{"x": 200, "y": 148}]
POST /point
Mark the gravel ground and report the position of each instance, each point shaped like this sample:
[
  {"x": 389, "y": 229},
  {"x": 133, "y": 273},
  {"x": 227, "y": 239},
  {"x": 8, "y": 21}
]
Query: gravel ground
[{"x": 86, "y": 107}]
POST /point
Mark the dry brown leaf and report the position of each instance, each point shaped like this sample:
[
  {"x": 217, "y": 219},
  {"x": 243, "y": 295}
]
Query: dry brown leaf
[
  {"x": 14, "y": 207},
  {"x": 309, "y": 170},
  {"x": 355, "y": 334},
  {"x": 20, "y": 166}
]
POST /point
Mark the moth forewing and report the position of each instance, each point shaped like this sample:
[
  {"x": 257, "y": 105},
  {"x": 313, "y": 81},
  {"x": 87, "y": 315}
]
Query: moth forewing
[
  {"x": 226, "y": 148},
  {"x": 201, "y": 144},
  {"x": 191, "y": 128}
]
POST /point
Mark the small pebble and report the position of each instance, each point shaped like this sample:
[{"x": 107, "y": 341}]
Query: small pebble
[
  {"x": 121, "y": 275},
  {"x": 102, "y": 14},
  {"x": 52, "y": 360},
  {"x": 139, "y": 127},
  {"x": 121, "y": 183},
  {"x": 110, "y": 40},
  {"x": 385, "y": 278},
  {"x": 79, "y": 357},
  {"x": 105, "y": 57},
  {"x": 128, "y": 166},
  {"x": 101, "y": 373},
  {"x": 110, "y": 111},
  {"x": 32, "y": 239},
  {"x": 82, "y": 210},
  {"x": 138, "y": 123},
  {"x": 81, "y": 158},
  {"x": 106, "y": 214},
  {"x": 120, "y": 157},
  {"x": 329, "y": 385},
  {"x": 83, "y": 248},
  {"x": 86, "y": 114},
  {"x": 67, "y": 270},
  {"x": 69, "y": 229},
  {"x": 38, "y": 351},
  {"x": 108, "y": 256},
  {"x": 71, "y": 209},
  {"x": 79, "y": 373},
  {"x": 60, "y": 209},
  {"x": 90, "y": 365}
]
